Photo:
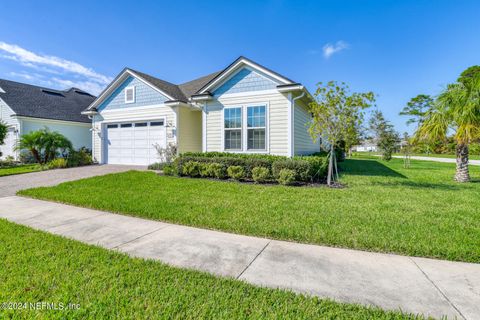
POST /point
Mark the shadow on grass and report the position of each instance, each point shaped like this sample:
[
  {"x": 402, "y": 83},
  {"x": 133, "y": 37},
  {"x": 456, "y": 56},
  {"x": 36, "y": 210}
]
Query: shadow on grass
[
  {"x": 422, "y": 185},
  {"x": 368, "y": 168}
]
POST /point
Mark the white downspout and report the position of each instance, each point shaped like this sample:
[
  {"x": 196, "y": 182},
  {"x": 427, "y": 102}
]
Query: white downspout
[
  {"x": 93, "y": 139},
  {"x": 293, "y": 122}
]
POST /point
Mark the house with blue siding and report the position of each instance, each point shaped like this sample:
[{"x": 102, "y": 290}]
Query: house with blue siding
[{"x": 244, "y": 108}]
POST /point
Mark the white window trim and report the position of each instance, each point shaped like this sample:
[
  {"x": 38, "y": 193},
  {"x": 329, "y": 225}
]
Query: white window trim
[
  {"x": 133, "y": 94},
  {"x": 247, "y": 128},
  {"x": 225, "y": 129},
  {"x": 244, "y": 128}
]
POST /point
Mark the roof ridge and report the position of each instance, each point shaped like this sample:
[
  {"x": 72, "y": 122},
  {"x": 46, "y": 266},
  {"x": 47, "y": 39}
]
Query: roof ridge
[{"x": 31, "y": 85}]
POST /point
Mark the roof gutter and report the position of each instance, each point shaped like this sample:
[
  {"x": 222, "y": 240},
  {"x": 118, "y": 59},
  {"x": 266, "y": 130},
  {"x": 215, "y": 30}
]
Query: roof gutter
[
  {"x": 285, "y": 88},
  {"x": 201, "y": 97},
  {"x": 90, "y": 112}
]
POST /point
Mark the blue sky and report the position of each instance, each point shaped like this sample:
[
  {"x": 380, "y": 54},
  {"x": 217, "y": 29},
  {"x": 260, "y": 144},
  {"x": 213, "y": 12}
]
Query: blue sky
[{"x": 397, "y": 49}]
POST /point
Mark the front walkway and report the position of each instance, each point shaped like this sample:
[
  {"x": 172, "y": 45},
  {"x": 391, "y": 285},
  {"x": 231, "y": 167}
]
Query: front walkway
[
  {"x": 9, "y": 185},
  {"x": 418, "y": 285}
]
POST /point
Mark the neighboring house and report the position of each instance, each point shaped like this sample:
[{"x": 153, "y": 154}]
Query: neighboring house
[
  {"x": 245, "y": 108},
  {"x": 366, "y": 147},
  {"x": 28, "y": 108}
]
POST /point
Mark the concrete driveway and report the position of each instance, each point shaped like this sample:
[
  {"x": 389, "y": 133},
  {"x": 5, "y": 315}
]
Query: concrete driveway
[{"x": 9, "y": 185}]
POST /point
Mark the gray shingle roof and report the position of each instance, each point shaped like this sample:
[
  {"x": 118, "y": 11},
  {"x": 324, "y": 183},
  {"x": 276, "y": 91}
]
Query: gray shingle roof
[
  {"x": 39, "y": 102},
  {"x": 169, "y": 88},
  {"x": 181, "y": 92},
  {"x": 191, "y": 87}
]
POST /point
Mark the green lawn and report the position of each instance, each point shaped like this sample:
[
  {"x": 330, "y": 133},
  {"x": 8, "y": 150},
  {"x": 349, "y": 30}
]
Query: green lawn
[
  {"x": 40, "y": 267},
  {"x": 26, "y": 168},
  {"x": 418, "y": 211}
]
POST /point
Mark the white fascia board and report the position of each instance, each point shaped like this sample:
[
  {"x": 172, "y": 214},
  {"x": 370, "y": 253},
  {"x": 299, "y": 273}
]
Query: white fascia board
[
  {"x": 291, "y": 88},
  {"x": 201, "y": 98}
]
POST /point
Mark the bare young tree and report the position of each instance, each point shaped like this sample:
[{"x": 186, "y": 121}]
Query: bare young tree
[{"x": 166, "y": 154}]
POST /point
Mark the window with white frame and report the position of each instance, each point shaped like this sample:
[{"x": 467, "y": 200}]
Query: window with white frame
[
  {"x": 130, "y": 95},
  {"x": 256, "y": 127},
  {"x": 245, "y": 128},
  {"x": 233, "y": 128}
]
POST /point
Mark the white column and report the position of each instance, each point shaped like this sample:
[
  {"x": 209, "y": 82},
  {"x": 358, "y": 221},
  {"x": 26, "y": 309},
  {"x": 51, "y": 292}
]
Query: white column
[
  {"x": 290, "y": 126},
  {"x": 204, "y": 127}
]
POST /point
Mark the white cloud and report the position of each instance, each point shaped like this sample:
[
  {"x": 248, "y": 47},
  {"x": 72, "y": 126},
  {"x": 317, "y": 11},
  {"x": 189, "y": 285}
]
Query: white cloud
[
  {"x": 83, "y": 77},
  {"x": 89, "y": 86},
  {"x": 330, "y": 49}
]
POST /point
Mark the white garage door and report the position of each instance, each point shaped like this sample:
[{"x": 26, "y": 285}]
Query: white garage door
[
  {"x": 133, "y": 142},
  {"x": 7, "y": 149}
]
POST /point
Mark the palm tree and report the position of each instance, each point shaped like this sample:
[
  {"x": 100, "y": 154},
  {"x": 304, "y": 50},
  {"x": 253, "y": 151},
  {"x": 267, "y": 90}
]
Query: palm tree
[
  {"x": 457, "y": 110},
  {"x": 43, "y": 144}
]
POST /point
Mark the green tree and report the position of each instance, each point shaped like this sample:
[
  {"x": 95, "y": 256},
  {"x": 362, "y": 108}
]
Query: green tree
[
  {"x": 3, "y": 133},
  {"x": 416, "y": 108},
  {"x": 335, "y": 112},
  {"x": 469, "y": 73},
  {"x": 386, "y": 137},
  {"x": 456, "y": 109},
  {"x": 44, "y": 144}
]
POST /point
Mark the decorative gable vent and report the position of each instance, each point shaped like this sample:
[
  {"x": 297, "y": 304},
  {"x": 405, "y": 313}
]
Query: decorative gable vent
[{"x": 130, "y": 95}]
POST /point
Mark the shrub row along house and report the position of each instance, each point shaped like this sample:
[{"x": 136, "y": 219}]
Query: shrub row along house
[
  {"x": 25, "y": 108},
  {"x": 245, "y": 108}
]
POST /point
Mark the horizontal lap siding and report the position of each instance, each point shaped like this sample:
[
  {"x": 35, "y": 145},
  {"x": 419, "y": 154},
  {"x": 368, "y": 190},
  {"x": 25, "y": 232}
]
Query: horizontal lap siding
[
  {"x": 277, "y": 120},
  {"x": 6, "y": 114},
  {"x": 190, "y": 130},
  {"x": 79, "y": 134},
  {"x": 303, "y": 143}
]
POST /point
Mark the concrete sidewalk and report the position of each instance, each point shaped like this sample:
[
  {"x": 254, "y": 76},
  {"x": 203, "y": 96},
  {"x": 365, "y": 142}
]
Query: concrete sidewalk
[
  {"x": 431, "y": 287},
  {"x": 434, "y": 159}
]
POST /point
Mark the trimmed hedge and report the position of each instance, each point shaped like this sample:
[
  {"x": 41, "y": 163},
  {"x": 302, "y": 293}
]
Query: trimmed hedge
[{"x": 215, "y": 165}]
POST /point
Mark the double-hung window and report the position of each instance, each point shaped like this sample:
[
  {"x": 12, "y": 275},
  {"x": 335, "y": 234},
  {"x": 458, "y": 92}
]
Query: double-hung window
[
  {"x": 245, "y": 128},
  {"x": 256, "y": 138},
  {"x": 233, "y": 128}
]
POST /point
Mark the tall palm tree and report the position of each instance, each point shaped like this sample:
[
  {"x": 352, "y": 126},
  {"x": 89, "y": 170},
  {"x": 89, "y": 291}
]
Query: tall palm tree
[{"x": 457, "y": 110}]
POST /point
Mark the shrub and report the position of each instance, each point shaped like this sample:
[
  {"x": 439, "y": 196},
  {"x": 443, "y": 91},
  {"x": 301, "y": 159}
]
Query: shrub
[
  {"x": 191, "y": 168},
  {"x": 286, "y": 177},
  {"x": 306, "y": 168},
  {"x": 204, "y": 169},
  {"x": 8, "y": 162},
  {"x": 236, "y": 172},
  {"x": 157, "y": 166},
  {"x": 217, "y": 170},
  {"x": 300, "y": 168},
  {"x": 318, "y": 167},
  {"x": 57, "y": 163},
  {"x": 260, "y": 174},
  {"x": 80, "y": 157},
  {"x": 169, "y": 170}
]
